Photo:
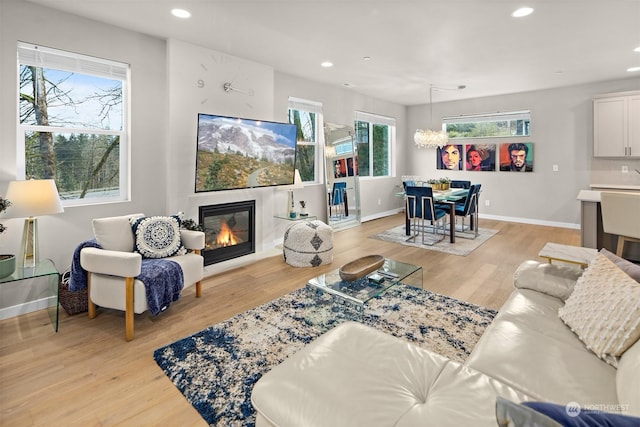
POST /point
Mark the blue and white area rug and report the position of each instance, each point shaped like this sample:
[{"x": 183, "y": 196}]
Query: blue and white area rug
[
  {"x": 463, "y": 246},
  {"x": 215, "y": 369}
]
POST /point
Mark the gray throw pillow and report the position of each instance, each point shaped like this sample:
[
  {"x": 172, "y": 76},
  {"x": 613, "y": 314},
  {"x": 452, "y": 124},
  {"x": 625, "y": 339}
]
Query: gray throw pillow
[{"x": 628, "y": 267}]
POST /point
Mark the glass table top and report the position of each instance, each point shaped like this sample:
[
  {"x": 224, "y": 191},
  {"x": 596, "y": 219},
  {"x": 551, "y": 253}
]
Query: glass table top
[{"x": 361, "y": 290}]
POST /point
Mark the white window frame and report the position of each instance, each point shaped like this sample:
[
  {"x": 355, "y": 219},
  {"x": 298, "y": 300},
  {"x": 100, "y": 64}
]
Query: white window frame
[
  {"x": 361, "y": 116},
  {"x": 316, "y": 108},
  {"x": 44, "y": 57}
]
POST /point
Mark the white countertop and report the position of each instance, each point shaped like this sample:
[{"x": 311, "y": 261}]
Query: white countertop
[
  {"x": 589, "y": 196},
  {"x": 615, "y": 187},
  {"x": 593, "y": 195}
]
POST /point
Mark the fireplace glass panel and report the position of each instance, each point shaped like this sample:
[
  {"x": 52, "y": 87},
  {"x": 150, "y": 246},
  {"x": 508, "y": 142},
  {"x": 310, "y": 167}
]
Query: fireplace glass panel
[{"x": 229, "y": 230}]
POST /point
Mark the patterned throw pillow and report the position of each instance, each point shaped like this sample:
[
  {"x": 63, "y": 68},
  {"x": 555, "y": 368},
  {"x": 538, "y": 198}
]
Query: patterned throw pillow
[
  {"x": 157, "y": 236},
  {"x": 604, "y": 310}
]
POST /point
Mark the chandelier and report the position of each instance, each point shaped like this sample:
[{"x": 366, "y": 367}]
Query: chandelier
[{"x": 427, "y": 138}]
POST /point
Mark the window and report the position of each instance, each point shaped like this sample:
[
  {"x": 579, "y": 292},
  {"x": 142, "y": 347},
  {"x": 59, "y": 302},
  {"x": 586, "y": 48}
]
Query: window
[
  {"x": 515, "y": 123},
  {"x": 307, "y": 116},
  {"x": 72, "y": 123},
  {"x": 374, "y": 142}
]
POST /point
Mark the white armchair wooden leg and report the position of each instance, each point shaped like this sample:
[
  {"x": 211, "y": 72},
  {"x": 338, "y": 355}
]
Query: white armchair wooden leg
[
  {"x": 128, "y": 313},
  {"x": 198, "y": 289},
  {"x": 91, "y": 307}
]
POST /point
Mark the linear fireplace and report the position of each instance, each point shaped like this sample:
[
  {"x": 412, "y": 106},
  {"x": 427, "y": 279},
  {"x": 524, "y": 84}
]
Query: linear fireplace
[{"x": 229, "y": 230}]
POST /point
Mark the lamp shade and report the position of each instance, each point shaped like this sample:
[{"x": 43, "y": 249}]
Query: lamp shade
[{"x": 33, "y": 197}]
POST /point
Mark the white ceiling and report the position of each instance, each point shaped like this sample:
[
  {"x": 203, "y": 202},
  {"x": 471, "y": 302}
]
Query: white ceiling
[{"x": 412, "y": 43}]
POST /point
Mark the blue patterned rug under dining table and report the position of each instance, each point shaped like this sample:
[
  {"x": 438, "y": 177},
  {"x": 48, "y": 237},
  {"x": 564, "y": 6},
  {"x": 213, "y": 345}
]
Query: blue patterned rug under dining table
[{"x": 215, "y": 369}]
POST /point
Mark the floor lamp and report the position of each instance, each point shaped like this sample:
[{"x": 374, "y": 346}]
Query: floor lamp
[{"x": 32, "y": 198}]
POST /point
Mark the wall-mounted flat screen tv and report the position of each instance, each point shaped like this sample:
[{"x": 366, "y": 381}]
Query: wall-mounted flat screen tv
[{"x": 238, "y": 153}]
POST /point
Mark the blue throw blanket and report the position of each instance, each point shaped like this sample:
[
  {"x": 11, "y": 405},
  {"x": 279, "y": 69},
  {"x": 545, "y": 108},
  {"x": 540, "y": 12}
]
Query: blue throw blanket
[{"x": 163, "y": 279}]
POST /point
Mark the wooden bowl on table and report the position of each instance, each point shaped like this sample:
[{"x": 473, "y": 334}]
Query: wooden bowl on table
[{"x": 360, "y": 267}]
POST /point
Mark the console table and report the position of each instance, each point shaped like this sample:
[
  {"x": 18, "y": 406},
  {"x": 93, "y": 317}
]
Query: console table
[
  {"x": 565, "y": 253},
  {"x": 46, "y": 269}
]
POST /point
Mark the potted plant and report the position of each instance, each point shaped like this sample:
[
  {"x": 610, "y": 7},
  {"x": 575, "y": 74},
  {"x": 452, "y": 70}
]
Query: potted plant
[
  {"x": 444, "y": 183},
  {"x": 7, "y": 262},
  {"x": 303, "y": 208},
  {"x": 434, "y": 184}
]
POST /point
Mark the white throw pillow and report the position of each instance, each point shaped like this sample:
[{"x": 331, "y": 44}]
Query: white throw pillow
[
  {"x": 604, "y": 310},
  {"x": 157, "y": 236},
  {"x": 114, "y": 233}
]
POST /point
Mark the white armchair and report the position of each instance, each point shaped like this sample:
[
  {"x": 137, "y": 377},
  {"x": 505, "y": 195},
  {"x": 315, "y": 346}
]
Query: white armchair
[{"x": 112, "y": 269}]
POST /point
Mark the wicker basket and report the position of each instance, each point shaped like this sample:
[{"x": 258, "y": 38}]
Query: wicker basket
[{"x": 72, "y": 302}]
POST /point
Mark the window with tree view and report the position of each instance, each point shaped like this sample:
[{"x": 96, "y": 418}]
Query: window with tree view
[
  {"x": 373, "y": 141},
  {"x": 515, "y": 123},
  {"x": 72, "y": 123},
  {"x": 306, "y": 116}
]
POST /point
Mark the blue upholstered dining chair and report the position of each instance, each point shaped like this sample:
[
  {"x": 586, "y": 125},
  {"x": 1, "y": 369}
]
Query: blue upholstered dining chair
[
  {"x": 459, "y": 184},
  {"x": 467, "y": 209},
  {"x": 337, "y": 198},
  {"x": 420, "y": 207}
]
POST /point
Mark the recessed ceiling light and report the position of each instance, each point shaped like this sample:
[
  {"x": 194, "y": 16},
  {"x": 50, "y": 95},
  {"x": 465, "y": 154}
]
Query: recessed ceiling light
[
  {"x": 347, "y": 85},
  {"x": 181, "y": 13},
  {"x": 366, "y": 58},
  {"x": 632, "y": 69},
  {"x": 327, "y": 64},
  {"x": 523, "y": 11},
  {"x": 637, "y": 49}
]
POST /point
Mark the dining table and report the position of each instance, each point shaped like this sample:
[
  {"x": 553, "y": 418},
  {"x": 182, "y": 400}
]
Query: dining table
[{"x": 449, "y": 197}]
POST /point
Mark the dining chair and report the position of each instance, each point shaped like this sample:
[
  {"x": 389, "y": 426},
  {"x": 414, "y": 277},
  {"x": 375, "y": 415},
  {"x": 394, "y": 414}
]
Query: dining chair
[
  {"x": 459, "y": 184},
  {"x": 420, "y": 207},
  {"x": 337, "y": 198},
  {"x": 467, "y": 209},
  {"x": 620, "y": 213}
]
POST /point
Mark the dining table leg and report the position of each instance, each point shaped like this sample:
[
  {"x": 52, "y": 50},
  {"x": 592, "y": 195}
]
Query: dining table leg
[{"x": 452, "y": 221}]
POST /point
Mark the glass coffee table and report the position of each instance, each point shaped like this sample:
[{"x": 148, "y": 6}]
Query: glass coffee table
[{"x": 347, "y": 299}]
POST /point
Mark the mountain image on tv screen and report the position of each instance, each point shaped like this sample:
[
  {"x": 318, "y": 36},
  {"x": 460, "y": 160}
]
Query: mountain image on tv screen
[{"x": 243, "y": 153}]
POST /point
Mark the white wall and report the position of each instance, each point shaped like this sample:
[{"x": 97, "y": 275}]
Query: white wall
[
  {"x": 27, "y": 22},
  {"x": 338, "y": 105},
  {"x": 562, "y": 133}
]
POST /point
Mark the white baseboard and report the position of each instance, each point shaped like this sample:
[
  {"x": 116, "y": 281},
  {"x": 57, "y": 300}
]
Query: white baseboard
[
  {"x": 381, "y": 215},
  {"x": 27, "y": 307},
  {"x": 531, "y": 221}
]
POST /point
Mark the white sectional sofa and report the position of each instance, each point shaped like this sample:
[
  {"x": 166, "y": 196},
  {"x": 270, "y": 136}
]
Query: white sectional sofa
[{"x": 357, "y": 376}]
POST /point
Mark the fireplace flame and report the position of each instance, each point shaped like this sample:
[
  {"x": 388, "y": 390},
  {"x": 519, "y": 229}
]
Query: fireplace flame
[{"x": 226, "y": 236}]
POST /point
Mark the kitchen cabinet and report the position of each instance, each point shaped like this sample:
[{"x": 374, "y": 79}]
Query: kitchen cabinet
[{"x": 616, "y": 125}]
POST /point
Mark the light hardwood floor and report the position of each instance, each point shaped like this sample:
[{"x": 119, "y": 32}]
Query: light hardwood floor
[{"x": 87, "y": 375}]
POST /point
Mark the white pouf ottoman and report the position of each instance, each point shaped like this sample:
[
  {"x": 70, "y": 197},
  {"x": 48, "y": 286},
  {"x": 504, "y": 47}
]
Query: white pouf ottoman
[{"x": 308, "y": 244}]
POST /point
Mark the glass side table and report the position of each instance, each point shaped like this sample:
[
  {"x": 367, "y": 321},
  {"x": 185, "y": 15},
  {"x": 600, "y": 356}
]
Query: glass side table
[
  {"x": 298, "y": 217},
  {"x": 47, "y": 269}
]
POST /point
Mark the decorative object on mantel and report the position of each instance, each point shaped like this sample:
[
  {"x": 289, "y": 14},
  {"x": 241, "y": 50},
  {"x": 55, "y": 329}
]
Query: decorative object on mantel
[
  {"x": 356, "y": 269},
  {"x": 32, "y": 198},
  {"x": 303, "y": 208},
  {"x": 7, "y": 261},
  {"x": 427, "y": 138}
]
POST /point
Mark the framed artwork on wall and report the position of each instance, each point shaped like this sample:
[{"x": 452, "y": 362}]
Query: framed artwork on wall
[
  {"x": 340, "y": 168},
  {"x": 516, "y": 157},
  {"x": 480, "y": 157},
  {"x": 449, "y": 157}
]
